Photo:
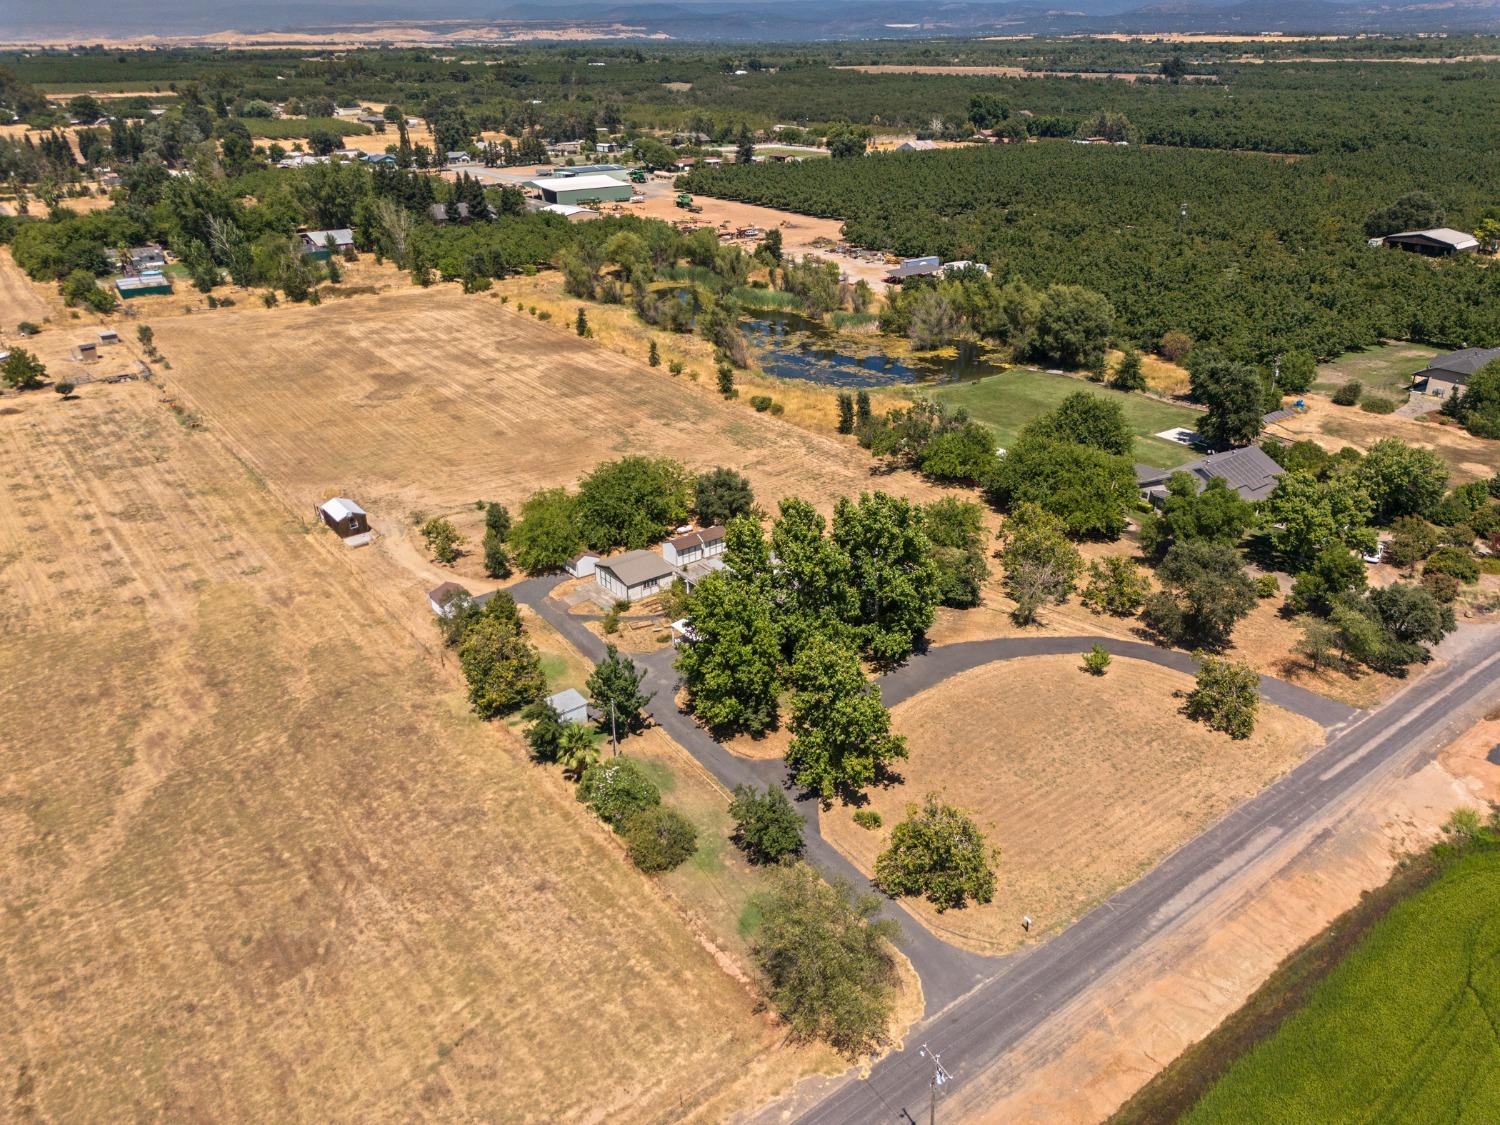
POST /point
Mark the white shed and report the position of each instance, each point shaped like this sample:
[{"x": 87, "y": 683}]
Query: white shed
[
  {"x": 570, "y": 706},
  {"x": 583, "y": 565}
]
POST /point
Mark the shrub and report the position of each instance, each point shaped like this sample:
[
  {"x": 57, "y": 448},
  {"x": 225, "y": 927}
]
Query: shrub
[
  {"x": 659, "y": 839},
  {"x": 766, "y": 825},
  {"x": 1348, "y": 394},
  {"x": 64, "y": 389},
  {"x": 777, "y": 409},
  {"x": 761, "y": 403},
  {"x": 27, "y": 328},
  {"x": 617, "y": 789},
  {"x": 1266, "y": 586},
  {"x": 1453, "y": 561},
  {"x": 1226, "y": 698},
  {"x": 442, "y": 539},
  {"x": 1174, "y": 346},
  {"x": 1096, "y": 661},
  {"x": 1116, "y": 586},
  {"x": 1444, "y": 587},
  {"x": 868, "y": 819},
  {"x": 1374, "y": 404},
  {"x": 675, "y": 367}
]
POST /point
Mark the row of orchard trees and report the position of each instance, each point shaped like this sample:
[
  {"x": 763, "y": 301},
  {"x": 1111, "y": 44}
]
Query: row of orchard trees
[{"x": 1256, "y": 257}]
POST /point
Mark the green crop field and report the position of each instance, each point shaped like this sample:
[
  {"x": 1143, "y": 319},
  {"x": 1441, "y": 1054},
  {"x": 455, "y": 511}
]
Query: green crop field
[
  {"x": 1005, "y": 403},
  {"x": 280, "y": 128},
  {"x": 1403, "y": 1031}
]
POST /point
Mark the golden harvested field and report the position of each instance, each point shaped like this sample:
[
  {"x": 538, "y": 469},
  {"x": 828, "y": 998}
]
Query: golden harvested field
[
  {"x": 260, "y": 862},
  {"x": 428, "y": 400},
  {"x": 1083, "y": 782}
]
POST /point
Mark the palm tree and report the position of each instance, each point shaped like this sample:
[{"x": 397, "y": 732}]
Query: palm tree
[{"x": 576, "y": 750}]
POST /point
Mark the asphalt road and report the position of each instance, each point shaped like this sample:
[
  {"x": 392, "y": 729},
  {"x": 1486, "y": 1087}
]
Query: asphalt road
[{"x": 977, "y": 1031}]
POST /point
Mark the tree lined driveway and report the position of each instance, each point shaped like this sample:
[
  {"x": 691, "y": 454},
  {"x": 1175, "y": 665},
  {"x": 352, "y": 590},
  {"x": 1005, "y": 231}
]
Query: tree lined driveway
[{"x": 947, "y": 973}]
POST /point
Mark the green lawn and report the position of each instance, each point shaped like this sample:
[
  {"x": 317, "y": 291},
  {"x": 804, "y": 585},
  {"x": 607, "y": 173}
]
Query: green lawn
[
  {"x": 1385, "y": 369},
  {"x": 1005, "y": 403},
  {"x": 1404, "y": 1030}
]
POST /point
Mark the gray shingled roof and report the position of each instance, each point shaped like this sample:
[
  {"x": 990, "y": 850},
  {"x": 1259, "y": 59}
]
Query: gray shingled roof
[
  {"x": 1456, "y": 367},
  {"x": 1248, "y": 470},
  {"x": 637, "y": 567}
]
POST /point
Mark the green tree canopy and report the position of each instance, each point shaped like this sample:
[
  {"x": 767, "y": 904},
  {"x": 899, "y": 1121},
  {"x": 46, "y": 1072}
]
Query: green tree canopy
[
  {"x": 1041, "y": 564},
  {"x": 721, "y": 494},
  {"x": 632, "y": 502},
  {"x": 1205, "y": 592},
  {"x": 731, "y": 666},
  {"x": 614, "y": 687},
  {"x": 766, "y": 825},
  {"x": 1400, "y": 480},
  {"x": 546, "y": 536},
  {"x": 1226, "y": 698},
  {"x": 841, "y": 731},
  {"x": 939, "y": 853}
]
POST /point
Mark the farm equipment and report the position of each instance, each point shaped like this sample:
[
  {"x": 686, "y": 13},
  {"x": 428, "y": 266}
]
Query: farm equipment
[
  {"x": 638, "y": 176},
  {"x": 685, "y": 201}
]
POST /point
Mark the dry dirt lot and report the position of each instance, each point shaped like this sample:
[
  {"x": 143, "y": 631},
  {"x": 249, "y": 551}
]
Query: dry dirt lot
[
  {"x": 424, "y": 401},
  {"x": 1333, "y": 427},
  {"x": 260, "y": 862},
  {"x": 1082, "y": 782}
]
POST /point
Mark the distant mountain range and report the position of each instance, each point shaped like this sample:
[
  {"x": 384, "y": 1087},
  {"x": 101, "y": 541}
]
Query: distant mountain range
[{"x": 736, "y": 20}]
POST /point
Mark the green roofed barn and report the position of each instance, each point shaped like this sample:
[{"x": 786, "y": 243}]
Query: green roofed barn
[
  {"x": 146, "y": 285},
  {"x": 582, "y": 189}
]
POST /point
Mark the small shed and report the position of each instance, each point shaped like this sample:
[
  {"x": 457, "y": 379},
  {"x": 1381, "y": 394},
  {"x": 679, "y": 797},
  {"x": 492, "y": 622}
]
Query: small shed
[
  {"x": 442, "y": 598},
  {"x": 570, "y": 705},
  {"x": 108, "y": 336},
  {"x": 346, "y": 518},
  {"x": 315, "y": 242},
  {"x": 583, "y": 565},
  {"x": 86, "y": 350},
  {"x": 572, "y": 212}
]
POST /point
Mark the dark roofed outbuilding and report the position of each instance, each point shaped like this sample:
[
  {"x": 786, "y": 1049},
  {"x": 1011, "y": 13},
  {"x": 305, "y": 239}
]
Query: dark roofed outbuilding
[{"x": 1446, "y": 373}]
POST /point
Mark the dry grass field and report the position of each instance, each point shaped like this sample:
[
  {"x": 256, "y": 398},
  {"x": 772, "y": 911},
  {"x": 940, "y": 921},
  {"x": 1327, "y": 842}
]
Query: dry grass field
[
  {"x": 1333, "y": 427},
  {"x": 424, "y": 401},
  {"x": 260, "y": 862},
  {"x": 1082, "y": 782}
]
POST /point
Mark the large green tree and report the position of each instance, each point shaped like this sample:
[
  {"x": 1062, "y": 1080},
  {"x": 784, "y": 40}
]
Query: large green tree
[
  {"x": 1205, "y": 592},
  {"x": 731, "y": 665},
  {"x": 841, "y": 731},
  {"x": 1400, "y": 479},
  {"x": 614, "y": 689},
  {"x": 1086, "y": 419},
  {"x": 827, "y": 961},
  {"x": 1305, "y": 515},
  {"x": 546, "y": 536},
  {"x": 1089, "y": 490},
  {"x": 956, "y": 530},
  {"x": 504, "y": 672},
  {"x": 1217, "y": 514},
  {"x": 632, "y": 502},
  {"x": 1235, "y": 395},
  {"x": 891, "y": 577}
]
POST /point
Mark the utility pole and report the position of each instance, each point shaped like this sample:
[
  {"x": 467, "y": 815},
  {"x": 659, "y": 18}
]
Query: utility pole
[{"x": 939, "y": 1077}]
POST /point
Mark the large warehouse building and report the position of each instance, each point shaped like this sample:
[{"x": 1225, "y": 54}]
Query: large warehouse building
[{"x": 582, "y": 189}]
